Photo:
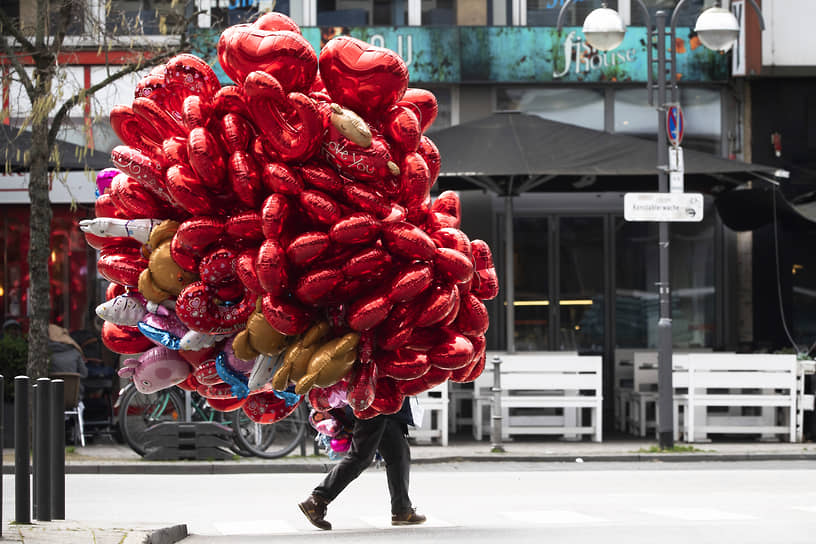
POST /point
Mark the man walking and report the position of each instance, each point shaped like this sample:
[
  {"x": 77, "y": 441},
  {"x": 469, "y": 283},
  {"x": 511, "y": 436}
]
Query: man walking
[{"x": 386, "y": 433}]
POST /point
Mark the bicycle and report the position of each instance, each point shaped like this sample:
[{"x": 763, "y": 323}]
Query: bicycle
[
  {"x": 272, "y": 440},
  {"x": 138, "y": 412}
]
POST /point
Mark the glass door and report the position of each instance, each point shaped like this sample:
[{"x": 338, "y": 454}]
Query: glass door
[
  {"x": 581, "y": 271},
  {"x": 532, "y": 283}
]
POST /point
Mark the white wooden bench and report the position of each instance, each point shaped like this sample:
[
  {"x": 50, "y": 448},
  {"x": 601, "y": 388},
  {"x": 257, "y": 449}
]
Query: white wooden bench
[
  {"x": 537, "y": 382},
  {"x": 769, "y": 381},
  {"x": 434, "y": 402}
]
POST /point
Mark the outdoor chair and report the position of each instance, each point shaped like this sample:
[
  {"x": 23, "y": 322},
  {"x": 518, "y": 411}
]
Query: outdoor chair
[{"x": 73, "y": 405}]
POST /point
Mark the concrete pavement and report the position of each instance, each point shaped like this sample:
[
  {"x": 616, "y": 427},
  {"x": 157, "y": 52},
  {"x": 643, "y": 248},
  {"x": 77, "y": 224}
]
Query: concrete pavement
[{"x": 105, "y": 457}]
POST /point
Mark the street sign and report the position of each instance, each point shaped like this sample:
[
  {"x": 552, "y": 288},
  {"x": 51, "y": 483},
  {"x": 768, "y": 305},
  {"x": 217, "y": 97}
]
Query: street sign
[
  {"x": 675, "y": 124},
  {"x": 676, "y": 183},
  {"x": 674, "y": 207}
]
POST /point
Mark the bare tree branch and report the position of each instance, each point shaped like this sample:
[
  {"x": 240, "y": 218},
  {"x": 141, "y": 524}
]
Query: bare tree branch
[
  {"x": 18, "y": 67},
  {"x": 126, "y": 70},
  {"x": 59, "y": 117},
  {"x": 9, "y": 26},
  {"x": 65, "y": 12}
]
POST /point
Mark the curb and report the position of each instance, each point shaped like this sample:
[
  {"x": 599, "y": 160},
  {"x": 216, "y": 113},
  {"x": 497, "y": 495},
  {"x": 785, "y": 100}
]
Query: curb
[
  {"x": 167, "y": 535},
  {"x": 293, "y": 468}
]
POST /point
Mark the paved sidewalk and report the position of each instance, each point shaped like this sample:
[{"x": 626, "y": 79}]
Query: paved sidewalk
[
  {"x": 109, "y": 457},
  {"x": 74, "y": 532}
]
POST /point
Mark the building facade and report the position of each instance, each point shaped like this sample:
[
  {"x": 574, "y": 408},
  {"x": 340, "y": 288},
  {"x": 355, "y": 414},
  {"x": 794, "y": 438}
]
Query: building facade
[{"x": 584, "y": 277}]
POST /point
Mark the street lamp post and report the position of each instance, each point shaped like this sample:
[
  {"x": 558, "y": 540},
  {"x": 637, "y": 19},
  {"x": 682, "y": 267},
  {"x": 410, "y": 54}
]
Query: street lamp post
[{"x": 717, "y": 29}]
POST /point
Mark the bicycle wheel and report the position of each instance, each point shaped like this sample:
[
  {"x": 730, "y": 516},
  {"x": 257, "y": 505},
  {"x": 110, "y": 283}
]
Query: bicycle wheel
[
  {"x": 139, "y": 411},
  {"x": 274, "y": 440}
]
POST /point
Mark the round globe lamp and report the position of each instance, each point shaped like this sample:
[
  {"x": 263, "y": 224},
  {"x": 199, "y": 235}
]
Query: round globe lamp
[
  {"x": 717, "y": 28},
  {"x": 604, "y": 29}
]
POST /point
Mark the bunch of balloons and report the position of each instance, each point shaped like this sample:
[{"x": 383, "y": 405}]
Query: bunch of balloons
[{"x": 276, "y": 237}]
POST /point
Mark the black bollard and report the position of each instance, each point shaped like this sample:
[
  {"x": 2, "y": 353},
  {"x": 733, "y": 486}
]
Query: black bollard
[
  {"x": 57, "y": 448},
  {"x": 22, "y": 484},
  {"x": 42, "y": 461},
  {"x": 35, "y": 451},
  {"x": 2, "y": 443}
]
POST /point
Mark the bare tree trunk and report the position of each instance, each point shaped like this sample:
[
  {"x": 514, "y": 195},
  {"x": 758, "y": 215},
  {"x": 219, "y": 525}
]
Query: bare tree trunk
[
  {"x": 39, "y": 249},
  {"x": 39, "y": 252}
]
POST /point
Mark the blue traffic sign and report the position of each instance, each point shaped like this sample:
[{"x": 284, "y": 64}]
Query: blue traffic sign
[{"x": 675, "y": 125}]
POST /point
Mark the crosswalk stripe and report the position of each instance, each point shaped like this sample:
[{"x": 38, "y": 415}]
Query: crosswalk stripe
[
  {"x": 380, "y": 523},
  {"x": 552, "y": 517},
  {"x": 696, "y": 514},
  {"x": 255, "y": 527}
]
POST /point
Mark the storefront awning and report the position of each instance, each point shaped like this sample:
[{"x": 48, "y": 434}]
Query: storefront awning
[
  {"x": 511, "y": 153},
  {"x": 16, "y": 145}
]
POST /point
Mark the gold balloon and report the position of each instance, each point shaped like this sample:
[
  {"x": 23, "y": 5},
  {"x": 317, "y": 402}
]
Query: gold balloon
[
  {"x": 351, "y": 125},
  {"x": 297, "y": 355},
  {"x": 242, "y": 348},
  {"x": 163, "y": 278},
  {"x": 262, "y": 337},
  {"x": 329, "y": 363},
  {"x": 149, "y": 289}
]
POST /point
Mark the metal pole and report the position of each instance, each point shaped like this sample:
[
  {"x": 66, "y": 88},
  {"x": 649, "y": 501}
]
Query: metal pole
[
  {"x": 665, "y": 400},
  {"x": 496, "y": 422},
  {"x": 57, "y": 449},
  {"x": 22, "y": 484},
  {"x": 509, "y": 274},
  {"x": 42, "y": 461}
]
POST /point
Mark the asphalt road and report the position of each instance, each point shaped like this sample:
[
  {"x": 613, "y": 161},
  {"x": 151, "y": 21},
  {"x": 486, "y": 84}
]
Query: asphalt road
[{"x": 481, "y": 502}]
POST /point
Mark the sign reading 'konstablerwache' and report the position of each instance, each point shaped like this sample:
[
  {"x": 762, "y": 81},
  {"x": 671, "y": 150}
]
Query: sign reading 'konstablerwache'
[{"x": 674, "y": 207}]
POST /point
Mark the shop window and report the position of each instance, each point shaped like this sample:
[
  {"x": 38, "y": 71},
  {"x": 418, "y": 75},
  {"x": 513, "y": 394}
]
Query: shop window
[
  {"x": 362, "y": 12},
  {"x": 574, "y": 106},
  {"x": 701, "y": 111},
  {"x": 545, "y": 12},
  {"x": 686, "y": 18},
  {"x": 691, "y": 278},
  {"x": 68, "y": 266},
  {"x": 438, "y": 12},
  {"x": 149, "y": 17},
  {"x": 803, "y": 285},
  {"x": 226, "y": 13}
]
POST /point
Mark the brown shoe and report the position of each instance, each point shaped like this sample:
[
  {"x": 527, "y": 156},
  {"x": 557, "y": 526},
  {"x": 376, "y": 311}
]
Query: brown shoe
[
  {"x": 409, "y": 517},
  {"x": 314, "y": 508}
]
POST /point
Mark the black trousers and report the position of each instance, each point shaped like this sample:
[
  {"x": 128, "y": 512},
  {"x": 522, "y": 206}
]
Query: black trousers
[{"x": 369, "y": 435}]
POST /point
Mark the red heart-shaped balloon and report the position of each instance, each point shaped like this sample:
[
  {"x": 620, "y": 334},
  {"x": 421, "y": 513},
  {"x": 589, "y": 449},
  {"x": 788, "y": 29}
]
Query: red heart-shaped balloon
[
  {"x": 279, "y": 178},
  {"x": 410, "y": 281},
  {"x": 433, "y": 159},
  {"x": 125, "y": 340},
  {"x": 307, "y": 247},
  {"x": 367, "y": 312},
  {"x": 362, "y": 386},
  {"x": 424, "y": 104},
  {"x": 403, "y": 364},
  {"x": 227, "y": 405},
  {"x": 188, "y": 192},
  {"x": 130, "y": 196},
  {"x": 313, "y": 287},
  {"x": 408, "y": 240},
  {"x": 286, "y": 55},
  {"x": 285, "y": 316},
  {"x": 454, "y": 351},
  {"x": 362, "y": 77},
  {"x": 245, "y": 226},
  {"x": 267, "y": 408},
  {"x": 357, "y": 228}
]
